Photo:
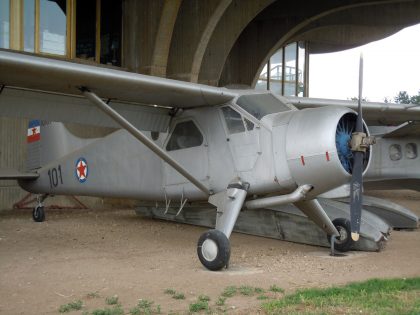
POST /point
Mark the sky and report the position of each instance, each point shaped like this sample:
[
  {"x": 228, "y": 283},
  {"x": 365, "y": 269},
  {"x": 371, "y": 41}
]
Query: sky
[{"x": 390, "y": 65}]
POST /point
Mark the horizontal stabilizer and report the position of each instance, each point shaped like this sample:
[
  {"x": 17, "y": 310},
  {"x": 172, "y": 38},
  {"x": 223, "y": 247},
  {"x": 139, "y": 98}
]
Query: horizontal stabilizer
[{"x": 9, "y": 174}]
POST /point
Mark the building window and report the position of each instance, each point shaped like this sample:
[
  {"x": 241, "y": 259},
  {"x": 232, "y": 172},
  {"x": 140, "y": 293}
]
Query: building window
[
  {"x": 81, "y": 29},
  {"x": 4, "y": 24},
  {"x": 284, "y": 73},
  {"x": 53, "y": 27},
  {"x": 98, "y": 31},
  {"x": 111, "y": 14},
  {"x": 29, "y": 25},
  {"x": 86, "y": 29}
]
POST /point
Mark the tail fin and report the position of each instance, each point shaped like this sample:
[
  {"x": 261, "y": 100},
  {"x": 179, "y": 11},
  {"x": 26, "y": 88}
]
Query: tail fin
[{"x": 49, "y": 141}]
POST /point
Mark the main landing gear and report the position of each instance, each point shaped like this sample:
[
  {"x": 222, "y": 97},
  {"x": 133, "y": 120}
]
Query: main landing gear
[
  {"x": 213, "y": 247},
  {"x": 38, "y": 213}
]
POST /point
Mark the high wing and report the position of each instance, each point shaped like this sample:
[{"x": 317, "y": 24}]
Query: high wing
[
  {"x": 49, "y": 89},
  {"x": 46, "y": 74},
  {"x": 373, "y": 113}
]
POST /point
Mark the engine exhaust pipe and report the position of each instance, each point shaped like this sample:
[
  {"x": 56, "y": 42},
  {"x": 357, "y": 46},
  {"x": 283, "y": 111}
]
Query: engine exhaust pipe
[{"x": 298, "y": 195}]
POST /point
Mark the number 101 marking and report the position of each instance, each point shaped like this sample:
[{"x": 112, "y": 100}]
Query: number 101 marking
[{"x": 54, "y": 175}]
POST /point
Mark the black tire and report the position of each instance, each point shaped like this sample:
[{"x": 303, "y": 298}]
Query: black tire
[
  {"x": 38, "y": 214},
  {"x": 218, "y": 256},
  {"x": 344, "y": 242}
]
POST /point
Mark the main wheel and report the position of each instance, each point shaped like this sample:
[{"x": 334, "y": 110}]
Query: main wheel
[
  {"x": 213, "y": 250},
  {"x": 344, "y": 242},
  {"x": 38, "y": 214}
]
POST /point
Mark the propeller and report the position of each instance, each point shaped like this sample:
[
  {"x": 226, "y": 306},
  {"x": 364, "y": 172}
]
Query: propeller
[{"x": 359, "y": 144}]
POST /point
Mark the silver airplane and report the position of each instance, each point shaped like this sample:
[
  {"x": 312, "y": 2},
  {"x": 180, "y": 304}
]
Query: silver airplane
[{"x": 182, "y": 141}]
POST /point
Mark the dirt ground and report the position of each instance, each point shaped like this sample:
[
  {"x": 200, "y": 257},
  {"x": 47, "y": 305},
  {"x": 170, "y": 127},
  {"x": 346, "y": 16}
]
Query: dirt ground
[{"x": 115, "y": 252}]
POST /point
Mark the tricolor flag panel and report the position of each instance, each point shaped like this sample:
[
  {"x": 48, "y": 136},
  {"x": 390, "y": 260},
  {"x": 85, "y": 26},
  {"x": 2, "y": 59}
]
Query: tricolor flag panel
[{"x": 34, "y": 131}]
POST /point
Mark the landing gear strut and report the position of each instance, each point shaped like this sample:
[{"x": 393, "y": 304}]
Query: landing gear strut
[
  {"x": 38, "y": 213},
  {"x": 213, "y": 247}
]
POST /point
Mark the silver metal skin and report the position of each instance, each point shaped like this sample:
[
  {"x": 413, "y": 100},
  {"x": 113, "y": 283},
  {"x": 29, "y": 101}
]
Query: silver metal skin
[
  {"x": 143, "y": 139},
  {"x": 315, "y": 212},
  {"x": 280, "y": 151},
  {"x": 306, "y": 140},
  {"x": 374, "y": 113},
  {"x": 13, "y": 174},
  {"x": 229, "y": 203},
  {"x": 46, "y": 74},
  {"x": 298, "y": 195}
]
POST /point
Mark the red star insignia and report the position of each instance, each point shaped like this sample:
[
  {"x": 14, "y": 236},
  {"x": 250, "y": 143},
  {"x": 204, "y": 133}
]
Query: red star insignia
[{"x": 81, "y": 169}]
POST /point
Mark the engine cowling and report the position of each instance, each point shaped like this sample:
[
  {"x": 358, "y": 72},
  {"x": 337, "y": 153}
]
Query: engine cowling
[{"x": 317, "y": 149}]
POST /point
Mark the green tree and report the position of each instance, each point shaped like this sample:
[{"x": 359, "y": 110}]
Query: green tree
[{"x": 404, "y": 98}]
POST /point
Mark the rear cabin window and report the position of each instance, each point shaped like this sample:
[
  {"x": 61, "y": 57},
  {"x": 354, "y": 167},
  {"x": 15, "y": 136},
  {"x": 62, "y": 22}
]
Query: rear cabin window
[{"x": 185, "y": 135}]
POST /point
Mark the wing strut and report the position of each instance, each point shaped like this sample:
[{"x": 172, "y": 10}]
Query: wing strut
[{"x": 142, "y": 138}]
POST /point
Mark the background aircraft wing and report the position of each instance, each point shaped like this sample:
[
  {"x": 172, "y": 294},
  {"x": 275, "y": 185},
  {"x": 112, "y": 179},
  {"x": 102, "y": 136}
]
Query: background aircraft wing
[
  {"x": 373, "y": 113},
  {"x": 47, "y": 74}
]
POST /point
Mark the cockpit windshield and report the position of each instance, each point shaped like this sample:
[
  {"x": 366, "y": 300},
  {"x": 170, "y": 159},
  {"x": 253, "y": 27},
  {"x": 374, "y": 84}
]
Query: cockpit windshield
[{"x": 259, "y": 105}]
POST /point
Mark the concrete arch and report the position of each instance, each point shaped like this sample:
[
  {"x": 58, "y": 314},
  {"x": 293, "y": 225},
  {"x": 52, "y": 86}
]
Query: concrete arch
[
  {"x": 236, "y": 17},
  {"x": 359, "y": 18},
  {"x": 164, "y": 37},
  {"x": 196, "y": 22},
  {"x": 140, "y": 27}
]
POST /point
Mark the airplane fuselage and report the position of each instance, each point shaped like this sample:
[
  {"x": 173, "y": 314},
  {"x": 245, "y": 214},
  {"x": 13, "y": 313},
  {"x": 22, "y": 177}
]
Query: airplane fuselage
[{"x": 274, "y": 154}]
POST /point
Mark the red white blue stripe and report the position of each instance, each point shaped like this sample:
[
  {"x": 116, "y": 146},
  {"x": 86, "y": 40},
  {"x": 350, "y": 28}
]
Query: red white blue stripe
[{"x": 34, "y": 131}]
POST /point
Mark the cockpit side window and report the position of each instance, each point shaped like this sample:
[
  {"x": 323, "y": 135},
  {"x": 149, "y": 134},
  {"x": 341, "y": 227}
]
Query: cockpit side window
[
  {"x": 233, "y": 120},
  {"x": 185, "y": 135}
]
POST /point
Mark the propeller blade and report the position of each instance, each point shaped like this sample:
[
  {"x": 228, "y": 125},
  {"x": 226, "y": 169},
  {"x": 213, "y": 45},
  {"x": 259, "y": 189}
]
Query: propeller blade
[{"x": 356, "y": 184}]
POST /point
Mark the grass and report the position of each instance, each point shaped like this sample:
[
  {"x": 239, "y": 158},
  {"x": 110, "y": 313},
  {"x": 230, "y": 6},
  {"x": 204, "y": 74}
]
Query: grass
[
  {"x": 204, "y": 298},
  {"x": 276, "y": 289},
  {"x": 259, "y": 290},
  {"x": 112, "y": 300},
  {"x": 93, "y": 295},
  {"x": 145, "y": 307},
  {"x": 376, "y": 296},
  {"x": 117, "y": 310},
  {"x": 72, "y": 306},
  {"x": 179, "y": 296},
  {"x": 169, "y": 291},
  {"x": 221, "y": 301},
  {"x": 246, "y": 290},
  {"x": 229, "y": 291},
  {"x": 262, "y": 297},
  {"x": 175, "y": 295},
  {"x": 199, "y": 306}
]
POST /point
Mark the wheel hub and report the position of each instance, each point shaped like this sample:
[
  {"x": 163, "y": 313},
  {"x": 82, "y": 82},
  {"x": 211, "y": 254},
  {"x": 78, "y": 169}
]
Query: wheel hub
[
  {"x": 209, "y": 250},
  {"x": 343, "y": 235}
]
